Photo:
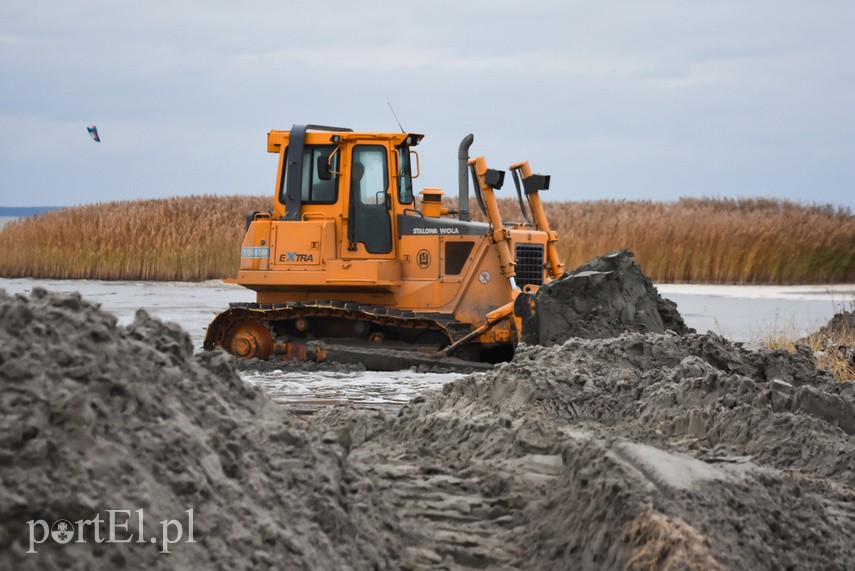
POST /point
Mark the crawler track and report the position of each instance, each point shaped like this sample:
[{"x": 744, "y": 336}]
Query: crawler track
[{"x": 381, "y": 338}]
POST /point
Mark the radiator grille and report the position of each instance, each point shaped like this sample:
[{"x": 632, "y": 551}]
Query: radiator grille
[{"x": 529, "y": 264}]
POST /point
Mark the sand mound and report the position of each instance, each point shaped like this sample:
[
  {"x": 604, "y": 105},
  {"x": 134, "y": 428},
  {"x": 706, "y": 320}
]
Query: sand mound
[
  {"x": 662, "y": 448},
  {"x": 95, "y": 417},
  {"x": 669, "y": 450},
  {"x": 604, "y": 297}
]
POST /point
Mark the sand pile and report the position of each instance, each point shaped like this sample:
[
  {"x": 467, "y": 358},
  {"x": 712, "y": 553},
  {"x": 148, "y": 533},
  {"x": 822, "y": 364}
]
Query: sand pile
[
  {"x": 651, "y": 449},
  {"x": 637, "y": 450},
  {"x": 604, "y": 297},
  {"x": 624, "y": 451},
  {"x": 95, "y": 417}
]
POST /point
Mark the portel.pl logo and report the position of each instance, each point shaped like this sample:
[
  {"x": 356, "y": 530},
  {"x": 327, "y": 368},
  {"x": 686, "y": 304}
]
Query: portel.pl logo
[{"x": 63, "y": 531}]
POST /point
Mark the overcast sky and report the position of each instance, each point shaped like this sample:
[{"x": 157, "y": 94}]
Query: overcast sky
[{"x": 622, "y": 100}]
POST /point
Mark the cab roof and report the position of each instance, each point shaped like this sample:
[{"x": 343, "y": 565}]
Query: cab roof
[{"x": 277, "y": 139}]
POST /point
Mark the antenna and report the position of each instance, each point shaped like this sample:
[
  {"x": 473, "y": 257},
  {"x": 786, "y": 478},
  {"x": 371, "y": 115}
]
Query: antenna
[{"x": 396, "y": 116}]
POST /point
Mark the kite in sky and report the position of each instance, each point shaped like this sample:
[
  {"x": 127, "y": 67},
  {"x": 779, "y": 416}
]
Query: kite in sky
[{"x": 93, "y": 132}]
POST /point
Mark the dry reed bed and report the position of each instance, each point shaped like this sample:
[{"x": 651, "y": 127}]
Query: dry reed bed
[
  {"x": 833, "y": 345},
  {"x": 188, "y": 238},
  {"x": 702, "y": 241},
  {"x": 749, "y": 241}
]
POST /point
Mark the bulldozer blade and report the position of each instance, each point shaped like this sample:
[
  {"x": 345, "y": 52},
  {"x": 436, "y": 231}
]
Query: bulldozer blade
[
  {"x": 387, "y": 359},
  {"x": 525, "y": 309}
]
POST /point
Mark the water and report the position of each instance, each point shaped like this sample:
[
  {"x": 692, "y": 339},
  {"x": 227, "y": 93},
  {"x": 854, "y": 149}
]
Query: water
[
  {"x": 306, "y": 391},
  {"x": 741, "y": 313},
  {"x": 750, "y": 313}
]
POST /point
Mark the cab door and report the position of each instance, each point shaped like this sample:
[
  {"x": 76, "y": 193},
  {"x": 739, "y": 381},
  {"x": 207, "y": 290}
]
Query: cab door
[{"x": 369, "y": 229}]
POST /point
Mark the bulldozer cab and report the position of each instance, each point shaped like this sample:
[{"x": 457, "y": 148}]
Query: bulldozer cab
[{"x": 357, "y": 182}]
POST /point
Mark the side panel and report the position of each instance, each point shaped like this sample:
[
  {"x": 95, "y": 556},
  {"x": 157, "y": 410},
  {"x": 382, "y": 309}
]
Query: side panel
[
  {"x": 297, "y": 244},
  {"x": 302, "y": 245},
  {"x": 482, "y": 287},
  {"x": 420, "y": 256},
  {"x": 255, "y": 249}
]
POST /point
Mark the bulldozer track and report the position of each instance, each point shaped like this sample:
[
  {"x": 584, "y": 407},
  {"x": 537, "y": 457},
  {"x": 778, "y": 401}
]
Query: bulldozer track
[{"x": 327, "y": 321}]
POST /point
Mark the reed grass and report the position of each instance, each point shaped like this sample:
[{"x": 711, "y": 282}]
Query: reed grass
[
  {"x": 189, "y": 238},
  {"x": 832, "y": 348},
  {"x": 693, "y": 240},
  {"x": 717, "y": 241}
]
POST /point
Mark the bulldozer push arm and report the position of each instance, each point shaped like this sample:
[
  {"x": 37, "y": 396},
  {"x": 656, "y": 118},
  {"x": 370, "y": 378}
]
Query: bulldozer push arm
[
  {"x": 532, "y": 185},
  {"x": 488, "y": 181},
  {"x": 521, "y": 309}
]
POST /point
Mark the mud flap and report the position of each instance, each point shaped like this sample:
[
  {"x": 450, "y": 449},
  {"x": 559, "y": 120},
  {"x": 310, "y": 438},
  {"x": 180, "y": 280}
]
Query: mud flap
[{"x": 525, "y": 310}]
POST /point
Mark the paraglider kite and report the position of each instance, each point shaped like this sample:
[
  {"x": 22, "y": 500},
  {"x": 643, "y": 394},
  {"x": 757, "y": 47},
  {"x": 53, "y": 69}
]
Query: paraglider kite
[{"x": 93, "y": 132}]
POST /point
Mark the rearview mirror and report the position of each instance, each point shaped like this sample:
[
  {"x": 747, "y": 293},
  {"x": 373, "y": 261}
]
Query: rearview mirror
[{"x": 324, "y": 168}]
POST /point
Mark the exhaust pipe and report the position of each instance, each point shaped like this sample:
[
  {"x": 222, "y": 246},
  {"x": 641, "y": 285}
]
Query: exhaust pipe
[{"x": 463, "y": 177}]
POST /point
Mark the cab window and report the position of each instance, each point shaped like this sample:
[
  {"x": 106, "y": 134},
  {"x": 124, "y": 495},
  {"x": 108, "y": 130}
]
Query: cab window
[
  {"x": 405, "y": 178},
  {"x": 313, "y": 189}
]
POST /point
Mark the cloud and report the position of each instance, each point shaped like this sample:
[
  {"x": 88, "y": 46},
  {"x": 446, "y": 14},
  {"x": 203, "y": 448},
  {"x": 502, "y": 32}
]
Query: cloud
[{"x": 617, "y": 99}]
